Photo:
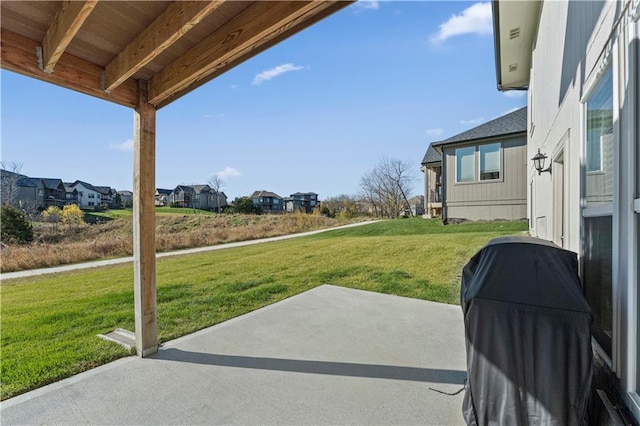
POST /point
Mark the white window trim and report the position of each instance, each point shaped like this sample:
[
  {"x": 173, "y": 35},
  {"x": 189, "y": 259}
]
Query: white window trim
[
  {"x": 612, "y": 360},
  {"x": 476, "y": 164}
]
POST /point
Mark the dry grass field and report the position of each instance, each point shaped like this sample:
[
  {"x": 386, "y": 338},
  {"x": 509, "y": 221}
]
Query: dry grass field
[{"x": 56, "y": 244}]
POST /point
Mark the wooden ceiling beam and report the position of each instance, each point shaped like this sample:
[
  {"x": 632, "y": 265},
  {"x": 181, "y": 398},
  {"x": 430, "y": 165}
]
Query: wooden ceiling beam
[
  {"x": 258, "y": 24},
  {"x": 166, "y": 29},
  {"x": 64, "y": 27},
  {"x": 19, "y": 55}
]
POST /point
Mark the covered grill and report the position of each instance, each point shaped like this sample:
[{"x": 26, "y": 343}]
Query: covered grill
[{"x": 528, "y": 335}]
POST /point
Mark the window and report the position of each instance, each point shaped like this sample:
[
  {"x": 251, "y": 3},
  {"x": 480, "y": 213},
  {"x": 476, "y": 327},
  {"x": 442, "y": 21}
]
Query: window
[
  {"x": 600, "y": 125},
  {"x": 598, "y": 212},
  {"x": 91, "y": 203},
  {"x": 92, "y": 195},
  {"x": 489, "y": 161},
  {"x": 40, "y": 193},
  {"x": 597, "y": 276},
  {"x": 276, "y": 201},
  {"x": 465, "y": 164}
]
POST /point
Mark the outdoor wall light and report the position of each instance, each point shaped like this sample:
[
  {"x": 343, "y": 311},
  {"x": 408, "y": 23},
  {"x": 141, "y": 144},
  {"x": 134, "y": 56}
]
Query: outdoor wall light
[{"x": 538, "y": 162}]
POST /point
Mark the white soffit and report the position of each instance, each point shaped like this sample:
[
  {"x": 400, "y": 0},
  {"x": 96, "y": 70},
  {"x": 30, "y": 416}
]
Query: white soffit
[{"x": 516, "y": 27}]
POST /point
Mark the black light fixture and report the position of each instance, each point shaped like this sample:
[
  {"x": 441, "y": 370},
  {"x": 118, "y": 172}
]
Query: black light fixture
[{"x": 538, "y": 162}]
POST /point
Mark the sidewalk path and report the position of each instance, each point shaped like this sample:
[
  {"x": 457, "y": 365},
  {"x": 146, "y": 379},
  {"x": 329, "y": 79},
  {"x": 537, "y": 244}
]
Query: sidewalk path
[{"x": 96, "y": 264}]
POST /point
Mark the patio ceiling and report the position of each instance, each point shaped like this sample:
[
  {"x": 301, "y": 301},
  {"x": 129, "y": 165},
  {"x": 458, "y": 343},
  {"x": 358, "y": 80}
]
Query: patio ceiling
[{"x": 102, "y": 47}]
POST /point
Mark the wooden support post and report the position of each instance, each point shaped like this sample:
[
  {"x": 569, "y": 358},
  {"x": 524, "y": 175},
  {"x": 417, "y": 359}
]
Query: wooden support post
[{"x": 144, "y": 231}]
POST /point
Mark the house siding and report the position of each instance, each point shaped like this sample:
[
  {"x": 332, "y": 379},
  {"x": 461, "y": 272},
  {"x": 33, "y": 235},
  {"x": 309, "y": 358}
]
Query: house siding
[
  {"x": 501, "y": 199},
  {"x": 568, "y": 55}
]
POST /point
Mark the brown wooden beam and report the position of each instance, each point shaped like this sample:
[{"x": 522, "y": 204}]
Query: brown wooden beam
[
  {"x": 173, "y": 23},
  {"x": 64, "y": 27},
  {"x": 251, "y": 51},
  {"x": 144, "y": 229},
  {"x": 256, "y": 25},
  {"x": 19, "y": 55}
]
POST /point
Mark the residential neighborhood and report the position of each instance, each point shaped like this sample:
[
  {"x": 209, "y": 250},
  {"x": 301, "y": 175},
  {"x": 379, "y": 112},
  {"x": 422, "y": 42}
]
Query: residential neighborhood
[
  {"x": 504, "y": 290},
  {"x": 36, "y": 194}
]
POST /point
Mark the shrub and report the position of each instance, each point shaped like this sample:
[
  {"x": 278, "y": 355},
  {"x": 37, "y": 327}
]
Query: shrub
[
  {"x": 52, "y": 214},
  {"x": 72, "y": 215},
  {"x": 14, "y": 226}
]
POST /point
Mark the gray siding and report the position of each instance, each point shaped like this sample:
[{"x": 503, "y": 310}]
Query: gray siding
[{"x": 505, "y": 198}]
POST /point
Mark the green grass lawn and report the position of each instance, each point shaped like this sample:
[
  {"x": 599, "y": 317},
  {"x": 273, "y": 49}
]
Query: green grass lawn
[{"x": 49, "y": 323}]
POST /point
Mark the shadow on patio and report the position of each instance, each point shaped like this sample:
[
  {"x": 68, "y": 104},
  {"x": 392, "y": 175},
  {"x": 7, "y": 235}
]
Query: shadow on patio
[{"x": 331, "y": 355}]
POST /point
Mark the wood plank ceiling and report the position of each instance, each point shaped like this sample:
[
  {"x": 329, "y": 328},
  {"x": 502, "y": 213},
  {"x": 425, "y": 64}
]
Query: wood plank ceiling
[{"x": 102, "y": 48}]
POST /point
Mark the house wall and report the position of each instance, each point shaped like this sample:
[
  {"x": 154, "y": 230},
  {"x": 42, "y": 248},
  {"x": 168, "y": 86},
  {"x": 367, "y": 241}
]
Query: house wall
[
  {"x": 575, "y": 41},
  {"x": 87, "y": 197},
  {"x": 504, "y": 198},
  {"x": 432, "y": 203}
]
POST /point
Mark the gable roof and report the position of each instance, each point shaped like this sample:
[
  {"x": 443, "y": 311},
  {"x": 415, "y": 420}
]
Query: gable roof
[
  {"x": 183, "y": 188},
  {"x": 85, "y": 184},
  {"x": 431, "y": 156},
  {"x": 263, "y": 193},
  {"x": 51, "y": 183},
  {"x": 163, "y": 191},
  {"x": 508, "y": 124},
  {"x": 199, "y": 188},
  {"x": 27, "y": 182},
  {"x": 106, "y": 190}
]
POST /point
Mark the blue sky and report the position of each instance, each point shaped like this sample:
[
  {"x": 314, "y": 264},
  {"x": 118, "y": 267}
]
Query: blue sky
[{"x": 313, "y": 113}]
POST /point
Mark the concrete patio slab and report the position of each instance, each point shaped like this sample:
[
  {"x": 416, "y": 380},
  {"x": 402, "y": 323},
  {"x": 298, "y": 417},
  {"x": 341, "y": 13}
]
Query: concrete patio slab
[{"x": 331, "y": 355}]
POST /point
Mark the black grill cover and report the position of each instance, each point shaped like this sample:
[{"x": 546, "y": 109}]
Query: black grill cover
[{"x": 528, "y": 335}]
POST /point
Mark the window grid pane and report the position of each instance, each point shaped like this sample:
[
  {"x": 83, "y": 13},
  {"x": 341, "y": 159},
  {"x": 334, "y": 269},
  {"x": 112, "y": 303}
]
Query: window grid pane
[
  {"x": 489, "y": 161},
  {"x": 599, "y": 143},
  {"x": 465, "y": 164},
  {"x": 597, "y": 276}
]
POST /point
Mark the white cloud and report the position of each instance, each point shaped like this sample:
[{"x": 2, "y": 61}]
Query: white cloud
[
  {"x": 434, "y": 132},
  {"x": 472, "y": 121},
  {"x": 228, "y": 172},
  {"x": 274, "y": 72},
  {"x": 476, "y": 19},
  {"x": 515, "y": 93},
  {"x": 367, "y": 5},
  {"x": 124, "y": 146}
]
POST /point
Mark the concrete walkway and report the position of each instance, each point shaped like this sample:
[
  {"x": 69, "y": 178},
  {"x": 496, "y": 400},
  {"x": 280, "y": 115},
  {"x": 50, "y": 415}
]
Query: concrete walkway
[
  {"x": 328, "y": 356},
  {"x": 98, "y": 263}
]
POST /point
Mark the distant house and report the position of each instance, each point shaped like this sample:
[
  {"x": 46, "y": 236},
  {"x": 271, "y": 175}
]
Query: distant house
[
  {"x": 162, "y": 197},
  {"x": 416, "y": 205},
  {"x": 28, "y": 193},
  {"x": 107, "y": 195},
  {"x": 484, "y": 170},
  {"x": 269, "y": 202},
  {"x": 432, "y": 169},
  {"x": 301, "y": 201},
  {"x": 182, "y": 196},
  {"x": 21, "y": 192},
  {"x": 126, "y": 198},
  {"x": 87, "y": 195},
  {"x": 71, "y": 194},
  {"x": 197, "y": 197}
]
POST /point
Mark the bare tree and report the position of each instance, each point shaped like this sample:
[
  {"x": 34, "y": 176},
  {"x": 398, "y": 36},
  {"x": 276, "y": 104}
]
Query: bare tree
[
  {"x": 385, "y": 188},
  {"x": 216, "y": 183},
  {"x": 9, "y": 182}
]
